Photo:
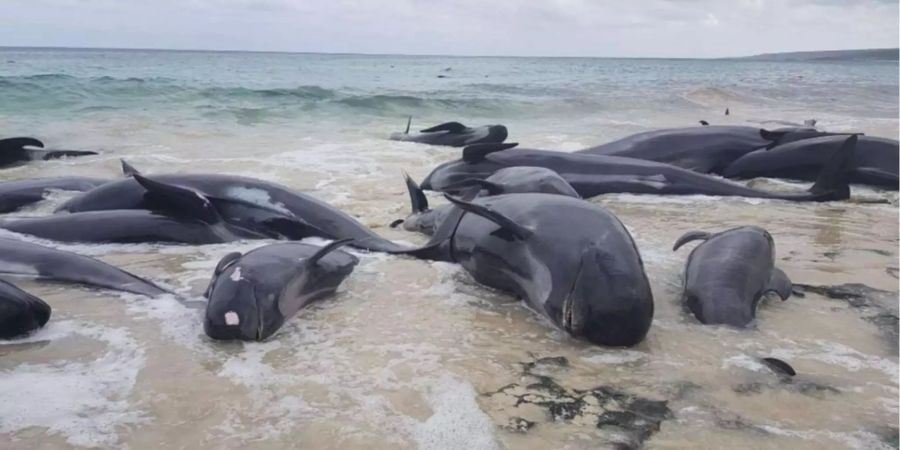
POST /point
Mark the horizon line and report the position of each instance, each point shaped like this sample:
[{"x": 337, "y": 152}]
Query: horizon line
[{"x": 296, "y": 52}]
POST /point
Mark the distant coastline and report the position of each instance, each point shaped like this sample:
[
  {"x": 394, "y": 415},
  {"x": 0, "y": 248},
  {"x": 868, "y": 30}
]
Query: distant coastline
[{"x": 872, "y": 54}]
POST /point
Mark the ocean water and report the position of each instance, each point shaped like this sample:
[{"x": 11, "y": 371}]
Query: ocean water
[{"x": 411, "y": 354}]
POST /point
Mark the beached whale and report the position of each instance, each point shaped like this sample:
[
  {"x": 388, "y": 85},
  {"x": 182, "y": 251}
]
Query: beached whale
[
  {"x": 254, "y": 205},
  {"x": 511, "y": 180},
  {"x": 875, "y": 163},
  {"x": 20, "y": 312},
  {"x": 32, "y": 260},
  {"x": 728, "y": 274},
  {"x": 180, "y": 216},
  {"x": 23, "y": 149},
  {"x": 252, "y": 295},
  {"x": 19, "y": 193},
  {"x": 454, "y": 134},
  {"x": 704, "y": 149},
  {"x": 570, "y": 260},
  {"x": 593, "y": 175}
]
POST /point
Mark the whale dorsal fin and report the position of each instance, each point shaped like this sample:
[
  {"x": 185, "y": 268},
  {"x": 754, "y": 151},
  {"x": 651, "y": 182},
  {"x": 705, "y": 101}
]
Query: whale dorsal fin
[
  {"x": 417, "y": 198},
  {"x": 690, "y": 236},
  {"x": 504, "y": 222},
  {"x": 408, "y": 123},
  {"x": 450, "y": 127},
  {"x": 476, "y": 152},
  {"x": 184, "y": 201},
  {"x": 312, "y": 260},
  {"x": 128, "y": 170},
  {"x": 436, "y": 249}
]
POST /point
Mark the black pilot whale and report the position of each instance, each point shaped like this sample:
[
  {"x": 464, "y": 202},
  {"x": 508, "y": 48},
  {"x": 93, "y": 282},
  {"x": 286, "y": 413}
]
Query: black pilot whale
[
  {"x": 183, "y": 217},
  {"x": 511, "y": 180},
  {"x": 257, "y": 206},
  {"x": 20, "y": 312},
  {"x": 454, "y": 134},
  {"x": 570, "y": 260},
  {"x": 18, "y": 193},
  {"x": 593, "y": 175},
  {"x": 706, "y": 149},
  {"x": 252, "y": 295},
  {"x": 21, "y": 258},
  {"x": 728, "y": 274},
  {"x": 23, "y": 149}
]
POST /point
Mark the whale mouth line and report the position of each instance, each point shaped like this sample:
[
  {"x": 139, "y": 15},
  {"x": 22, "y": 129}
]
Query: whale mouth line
[{"x": 568, "y": 306}]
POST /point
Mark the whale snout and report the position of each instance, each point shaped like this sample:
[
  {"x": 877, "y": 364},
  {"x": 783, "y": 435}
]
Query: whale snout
[
  {"x": 722, "y": 307},
  {"x": 233, "y": 312},
  {"x": 608, "y": 305}
]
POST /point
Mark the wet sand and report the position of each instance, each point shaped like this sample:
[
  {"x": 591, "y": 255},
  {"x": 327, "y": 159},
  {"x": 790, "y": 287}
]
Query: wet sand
[{"x": 412, "y": 354}]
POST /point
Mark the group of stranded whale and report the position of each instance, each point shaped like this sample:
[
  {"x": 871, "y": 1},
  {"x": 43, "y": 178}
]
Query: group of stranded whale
[{"x": 517, "y": 220}]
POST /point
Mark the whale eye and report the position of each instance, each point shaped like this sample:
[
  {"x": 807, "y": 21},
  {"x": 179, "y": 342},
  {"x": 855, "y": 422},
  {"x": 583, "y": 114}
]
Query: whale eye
[{"x": 231, "y": 318}]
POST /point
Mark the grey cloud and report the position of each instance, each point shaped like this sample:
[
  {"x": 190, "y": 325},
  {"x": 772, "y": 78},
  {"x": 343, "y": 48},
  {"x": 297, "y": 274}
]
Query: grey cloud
[{"x": 681, "y": 28}]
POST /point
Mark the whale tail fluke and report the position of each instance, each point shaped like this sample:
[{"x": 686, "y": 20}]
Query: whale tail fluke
[{"x": 833, "y": 180}]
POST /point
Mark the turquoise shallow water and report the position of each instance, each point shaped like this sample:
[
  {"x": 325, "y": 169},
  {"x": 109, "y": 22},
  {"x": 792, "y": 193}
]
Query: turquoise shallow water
[
  {"x": 586, "y": 98},
  {"x": 410, "y": 354}
]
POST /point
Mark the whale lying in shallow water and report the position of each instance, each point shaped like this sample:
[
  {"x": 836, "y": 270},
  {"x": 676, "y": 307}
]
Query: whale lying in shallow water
[
  {"x": 23, "y": 149},
  {"x": 252, "y": 295},
  {"x": 570, "y": 260},
  {"x": 454, "y": 134},
  {"x": 728, "y": 274},
  {"x": 593, "y": 175}
]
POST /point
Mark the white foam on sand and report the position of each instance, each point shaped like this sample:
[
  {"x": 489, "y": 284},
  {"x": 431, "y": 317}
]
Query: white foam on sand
[
  {"x": 743, "y": 361},
  {"x": 86, "y": 402},
  {"x": 457, "y": 422},
  {"x": 860, "y": 440}
]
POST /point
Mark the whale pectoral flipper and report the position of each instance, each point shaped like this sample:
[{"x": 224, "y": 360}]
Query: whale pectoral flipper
[
  {"x": 780, "y": 284},
  {"x": 450, "y": 127},
  {"x": 476, "y": 152},
  {"x": 128, "y": 170},
  {"x": 169, "y": 197},
  {"x": 780, "y": 367},
  {"x": 690, "y": 236},
  {"x": 504, "y": 222}
]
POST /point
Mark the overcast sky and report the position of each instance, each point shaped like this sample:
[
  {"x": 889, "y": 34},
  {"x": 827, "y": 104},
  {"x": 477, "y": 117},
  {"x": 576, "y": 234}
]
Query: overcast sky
[{"x": 639, "y": 28}]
